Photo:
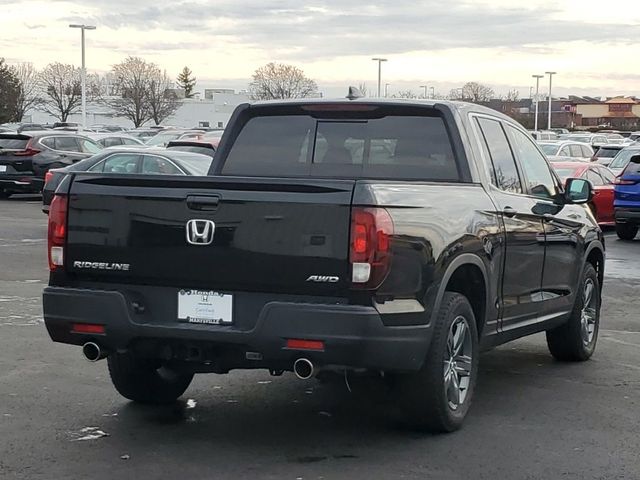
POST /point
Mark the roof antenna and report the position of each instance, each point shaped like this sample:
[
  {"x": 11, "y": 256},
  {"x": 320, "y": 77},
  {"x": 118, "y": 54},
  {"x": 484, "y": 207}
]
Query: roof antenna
[{"x": 354, "y": 93}]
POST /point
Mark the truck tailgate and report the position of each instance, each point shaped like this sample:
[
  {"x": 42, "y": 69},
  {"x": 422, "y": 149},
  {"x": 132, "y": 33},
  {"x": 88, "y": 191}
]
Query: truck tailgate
[{"x": 229, "y": 233}]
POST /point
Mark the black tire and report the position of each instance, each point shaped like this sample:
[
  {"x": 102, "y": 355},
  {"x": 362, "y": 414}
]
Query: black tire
[
  {"x": 146, "y": 380},
  {"x": 626, "y": 231},
  {"x": 4, "y": 194},
  {"x": 423, "y": 395},
  {"x": 570, "y": 342}
]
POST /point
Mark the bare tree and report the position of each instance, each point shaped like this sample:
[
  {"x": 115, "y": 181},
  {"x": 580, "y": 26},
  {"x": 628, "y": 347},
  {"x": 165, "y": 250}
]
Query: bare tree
[
  {"x": 511, "y": 96},
  {"x": 405, "y": 94},
  {"x": 277, "y": 80},
  {"x": 132, "y": 83},
  {"x": 61, "y": 87},
  {"x": 29, "y": 90},
  {"x": 162, "y": 101},
  {"x": 476, "y": 92},
  {"x": 363, "y": 89}
]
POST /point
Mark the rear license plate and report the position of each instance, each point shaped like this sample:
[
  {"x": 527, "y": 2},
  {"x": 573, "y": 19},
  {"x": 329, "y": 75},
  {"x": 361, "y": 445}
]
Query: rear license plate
[
  {"x": 3, "y": 168},
  {"x": 205, "y": 307}
]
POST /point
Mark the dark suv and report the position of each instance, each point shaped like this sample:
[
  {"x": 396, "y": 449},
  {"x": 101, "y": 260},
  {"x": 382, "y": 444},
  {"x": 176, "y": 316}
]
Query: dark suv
[{"x": 26, "y": 157}]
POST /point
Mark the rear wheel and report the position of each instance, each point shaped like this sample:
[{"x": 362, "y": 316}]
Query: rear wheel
[
  {"x": 575, "y": 341},
  {"x": 437, "y": 398},
  {"x": 626, "y": 231},
  {"x": 146, "y": 380}
]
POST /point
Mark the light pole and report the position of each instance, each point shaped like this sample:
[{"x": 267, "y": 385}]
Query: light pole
[
  {"x": 379, "y": 60},
  {"x": 551, "y": 74},
  {"x": 83, "y": 73},
  {"x": 386, "y": 90},
  {"x": 537, "y": 77},
  {"x": 425, "y": 90},
  {"x": 433, "y": 92}
]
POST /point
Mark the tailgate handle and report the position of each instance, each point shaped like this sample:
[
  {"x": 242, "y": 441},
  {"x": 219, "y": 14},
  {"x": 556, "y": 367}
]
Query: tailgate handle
[{"x": 203, "y": 202}]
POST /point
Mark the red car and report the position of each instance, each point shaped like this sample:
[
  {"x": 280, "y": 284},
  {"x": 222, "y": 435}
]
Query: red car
[{"x": 603, "y": 183}]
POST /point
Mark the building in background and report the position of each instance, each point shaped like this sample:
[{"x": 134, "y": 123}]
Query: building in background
[{"x": 213, "y": 111}]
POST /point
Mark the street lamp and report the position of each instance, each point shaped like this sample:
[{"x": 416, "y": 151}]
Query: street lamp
[
  {"x": 537, "y": 77},
  {"x": 433, "y": 92},
  {"x": 551, "y": 74},
  {"x": 379, "y": 60},
  {"x": 83, "y": 73},
  {"x": 386, "y": 90},
  {"x": 425, "y": 90}
]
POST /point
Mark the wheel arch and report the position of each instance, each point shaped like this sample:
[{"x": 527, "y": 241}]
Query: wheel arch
[
  {"x": 595, "y": 256},
  {"x": 466, "y": 274}
]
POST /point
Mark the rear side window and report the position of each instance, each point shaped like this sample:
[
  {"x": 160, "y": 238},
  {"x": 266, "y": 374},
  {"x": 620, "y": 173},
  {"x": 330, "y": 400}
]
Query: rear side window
[
  {"x": 13, "y": 143},
  {"x": 504, "y": 165},
  {"x": 394, "y": 146},
  {"x": 110, "y": 142},
  {"x": 119, "y": 163},
  {"x": 576, "y": 150},
  {"x": 66, "y": 144},
  {"x": 158, "y": 166},
  {"x": 608, "y": 176},
  {"x": 594, "y": 178},
  {"x": 587, "y": 152}
]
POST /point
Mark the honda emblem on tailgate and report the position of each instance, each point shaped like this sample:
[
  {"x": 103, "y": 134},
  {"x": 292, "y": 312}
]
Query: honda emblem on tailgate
[{"x": 200, "y": 232}]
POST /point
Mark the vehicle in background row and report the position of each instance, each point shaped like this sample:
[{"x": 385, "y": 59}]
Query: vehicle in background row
[
  {"x": 143, "y": 134},
  {"x": 595, "y": 140},
  {"x": 165, "y": 136},
  {"x": 32, "y": 127},
  {"x": 614, "y": 138},
  {"x": 26, "y": 157},
  {"x": 576, "y": 150},
  {"x": 323, "y": 238},
  {"x": 543, "y": 135},
  {"x": 108, "y": 128},
  {"x": 123, "y": 160},
  {"x": 605, "y": 154},
  {"x": 621, "y": 160},
  {"x": 602, "y": 179},
  {"x": 202, "y": 146},
  {"x": 627, "y": 199},
  {"x": 116, "y": 140},
  {"x": 560, "y": 131}
]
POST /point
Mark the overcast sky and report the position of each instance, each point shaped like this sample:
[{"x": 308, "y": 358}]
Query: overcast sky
[{"x": 593, "y": 44}]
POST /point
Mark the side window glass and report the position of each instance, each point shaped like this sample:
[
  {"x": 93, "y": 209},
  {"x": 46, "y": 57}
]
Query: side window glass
[
  {"x": 540, "y": 181},
  {"x": 111, "y": 142},
  {"x": 67, "y": 144},
  {"x": 586, "y": 151},
  {"x": 506, "y": 172},
  {"x": 576, "y": 150},
  {"x": 48, "y": 142},
  {"x": 594, "y": 178},
  {"x": 158, "y": 166},
  {"x": 565, "y": 152},
  {"x": 88, "y": 146},
  {"x": 121, "y": 163},
  {"x": 607, "y": 175}
]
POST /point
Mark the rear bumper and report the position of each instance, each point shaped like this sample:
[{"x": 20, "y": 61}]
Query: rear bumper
[
  {"x": 354, "y": 336},
  {"x": 627, "y": 215},
  {"x": 21, "y": 183}
]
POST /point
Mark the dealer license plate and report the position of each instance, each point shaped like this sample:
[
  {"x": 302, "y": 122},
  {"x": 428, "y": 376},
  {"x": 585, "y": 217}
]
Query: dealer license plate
[
  {"x": 205, "y": 307},
  {"x": 3, "y": 168}
]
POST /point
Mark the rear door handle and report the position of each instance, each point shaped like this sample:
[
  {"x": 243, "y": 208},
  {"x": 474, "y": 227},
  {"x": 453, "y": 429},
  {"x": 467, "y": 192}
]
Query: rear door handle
[
  {"x": 203, "y": 202},
  {"x": 509, "y": 211}
]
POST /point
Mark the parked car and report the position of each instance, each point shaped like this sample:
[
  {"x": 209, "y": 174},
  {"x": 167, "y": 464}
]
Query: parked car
[
  {"x": 127, "y": 160},
  {"x": 32, "y": 127},
  {"x": 108, "y": 128},
  {"x": 595, "y": 140},
  {"x": 580, "y": 151},
  {"x": 165, "y": 136},
  {"x": 544, "y": 135},
  {"x": 614, "y": 138},
  {"x": 116, "y": 140},
  {"x": 602, "y": 179},
  {"x": 143, "y": 134},
  {"x": 26, "y": 157},
  {"x": 627, "y": 199},
  {"x": 604, "y": 155},
  {"x": 205, "y": 147},
  {"x": 621, "y": 160},
  {"x": 560, "y": 131},
  {"x": 306, "y": 249}
]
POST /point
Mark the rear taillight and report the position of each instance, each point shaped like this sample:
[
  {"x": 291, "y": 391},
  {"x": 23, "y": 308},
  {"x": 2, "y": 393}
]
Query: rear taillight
[
  {"x": 29, "y": 152},
  {"x": 625, "y": 181},
  {"x": 57, "y": 231},
  {"x": 48, "y": 176},
  {"x": 370, "y": 252}
]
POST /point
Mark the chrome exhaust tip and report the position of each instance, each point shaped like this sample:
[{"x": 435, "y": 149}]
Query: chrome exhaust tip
[
  {"x": 303, "y": 368},
  {"x": 93, "y": 352}
]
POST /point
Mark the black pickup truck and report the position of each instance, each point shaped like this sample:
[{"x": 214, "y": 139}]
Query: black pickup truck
[{"x": 397, "y": 237}]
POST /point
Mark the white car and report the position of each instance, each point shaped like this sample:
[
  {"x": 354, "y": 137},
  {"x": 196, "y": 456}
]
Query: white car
[{"x": 567, "y": 149}]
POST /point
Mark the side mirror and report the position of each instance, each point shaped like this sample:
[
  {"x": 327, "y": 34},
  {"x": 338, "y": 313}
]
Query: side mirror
[{"x": 578, "y": 191}]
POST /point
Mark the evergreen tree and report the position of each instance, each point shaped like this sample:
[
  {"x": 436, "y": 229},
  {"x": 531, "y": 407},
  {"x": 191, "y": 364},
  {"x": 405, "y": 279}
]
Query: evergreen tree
[
  {"x": 9, "y": 92},
  {"x": 187, "y": 82}
]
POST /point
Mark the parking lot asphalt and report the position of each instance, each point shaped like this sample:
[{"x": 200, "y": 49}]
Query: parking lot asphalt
[{"x": 533, "y": 418}]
